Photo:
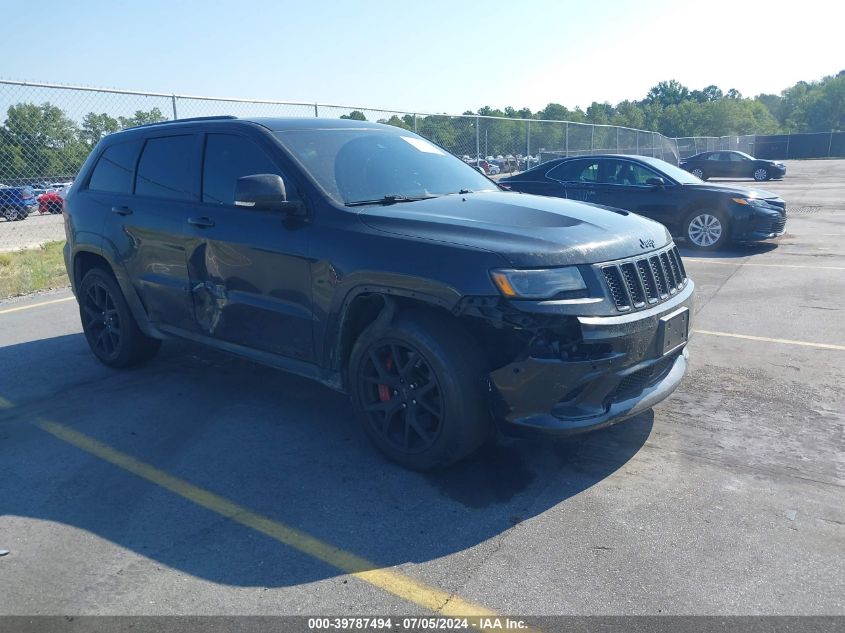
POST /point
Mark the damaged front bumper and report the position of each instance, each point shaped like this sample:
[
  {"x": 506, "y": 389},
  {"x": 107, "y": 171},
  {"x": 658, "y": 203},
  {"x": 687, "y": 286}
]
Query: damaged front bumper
[{"x": 626, "y": 364}]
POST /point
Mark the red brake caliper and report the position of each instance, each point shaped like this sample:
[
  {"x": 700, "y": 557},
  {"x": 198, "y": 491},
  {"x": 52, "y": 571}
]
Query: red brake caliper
[{"x": 384, "y": 390}]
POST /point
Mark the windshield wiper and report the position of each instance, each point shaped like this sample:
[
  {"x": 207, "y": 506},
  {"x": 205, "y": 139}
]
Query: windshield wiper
[{"x": 388, "y": 200}]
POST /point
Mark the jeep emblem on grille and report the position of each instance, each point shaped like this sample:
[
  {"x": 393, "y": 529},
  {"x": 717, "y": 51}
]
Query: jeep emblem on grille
[{"x": 647, "y": 243}]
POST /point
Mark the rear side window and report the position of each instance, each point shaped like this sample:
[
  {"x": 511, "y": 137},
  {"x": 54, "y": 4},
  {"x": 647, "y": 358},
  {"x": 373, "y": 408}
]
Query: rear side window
[
  {"x": 113, "y": 171},
  {"x": 167, "y": 168},
  {"x": 576, "y": 171},
  {"x": 227, "y": 158}
]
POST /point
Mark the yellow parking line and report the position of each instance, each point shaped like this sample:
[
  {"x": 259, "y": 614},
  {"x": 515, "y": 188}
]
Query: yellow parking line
[
  {"x": 37, "y": 305},
  {"x": 391, "y": 581},
  {"x": 766, "y": 339},
  {"x": 698, "y": 260}
]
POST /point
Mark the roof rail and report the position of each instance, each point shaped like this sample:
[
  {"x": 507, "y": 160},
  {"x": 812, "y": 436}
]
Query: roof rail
[{"x": 221, "y": 117}]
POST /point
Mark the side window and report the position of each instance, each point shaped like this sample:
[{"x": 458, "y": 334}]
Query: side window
[
  {"x": 229, "y": 157},
  {"x": 167, "y": 168},
  {"x": 623, "y": 172},
  {"x": 576, "y": 171},
  {"x": 736, "y": 158},
  {"x": 590, "y": 172},
  {"x": 715, "y": 156},
  {"x": 113, "y": 171}
]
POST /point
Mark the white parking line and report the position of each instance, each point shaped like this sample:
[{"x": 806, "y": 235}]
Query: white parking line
[
  {"x": 697, "y": 260},
  {"x": 766, "y": 339}
]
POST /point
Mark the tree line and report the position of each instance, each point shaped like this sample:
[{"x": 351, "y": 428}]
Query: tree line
[{"x": 43, "y": 141}]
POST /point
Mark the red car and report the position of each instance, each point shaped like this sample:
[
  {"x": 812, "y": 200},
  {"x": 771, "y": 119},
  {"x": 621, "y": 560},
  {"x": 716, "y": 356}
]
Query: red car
[{"x": 50, "y": 202}]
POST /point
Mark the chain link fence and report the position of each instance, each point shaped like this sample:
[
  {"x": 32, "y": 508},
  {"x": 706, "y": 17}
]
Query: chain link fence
[
  {"x": 692, "y": 145},
  {"x": 769, "y": 146},
  {"x": 48, "y": 130}
]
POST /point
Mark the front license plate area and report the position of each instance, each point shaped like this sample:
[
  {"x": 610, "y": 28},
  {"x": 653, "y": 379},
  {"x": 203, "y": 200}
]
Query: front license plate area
[{"x": 673, "y": 331}]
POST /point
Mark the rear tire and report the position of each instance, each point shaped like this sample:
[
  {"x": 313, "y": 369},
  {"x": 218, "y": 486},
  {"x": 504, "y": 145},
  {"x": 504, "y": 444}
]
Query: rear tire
[
  {"x": 108, "y": 323},
  {"x": 706, "y": 230},
  {"x": 698, "y": 172},
  {"x": 417, "y": 386}
]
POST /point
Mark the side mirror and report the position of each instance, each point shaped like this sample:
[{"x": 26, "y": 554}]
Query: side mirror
[
  {"x": 266, "y": 192},
  {"x": 657, "y": 183}
]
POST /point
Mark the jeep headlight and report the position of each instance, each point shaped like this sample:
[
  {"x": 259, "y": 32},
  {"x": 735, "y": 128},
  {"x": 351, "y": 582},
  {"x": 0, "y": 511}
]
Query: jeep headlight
[{"x": 537, "y": 284}]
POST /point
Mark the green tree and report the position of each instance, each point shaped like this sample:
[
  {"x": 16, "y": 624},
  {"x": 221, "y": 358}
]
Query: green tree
[
  {"x": 141, "y": 117},
  {"x": 40, "y": 141},
  {"x": 668, "y": 93},
  {"x": 96, "y": 126},
  {"x": 710, "y": 93},
  {"x": 355, "y": 115}
]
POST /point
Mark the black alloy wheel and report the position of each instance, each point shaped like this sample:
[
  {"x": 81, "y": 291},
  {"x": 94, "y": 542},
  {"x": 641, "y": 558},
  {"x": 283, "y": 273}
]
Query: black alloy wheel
[
  {"x": 418, "y": 386},
  {"x": 401, "y": 396},
  {"x": 108, "y": 323},
  {"x": 101, "y": 320}
]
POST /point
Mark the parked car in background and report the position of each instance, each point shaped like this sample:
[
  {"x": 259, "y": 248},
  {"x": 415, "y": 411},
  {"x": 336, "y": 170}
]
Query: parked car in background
[
  {"x": 706, "y": 215},
  {"x": 16, "y": 203},
  {"x": 50, "y": 202},
  {"x": 365, "y": 257},
  {"x": 732, "y": 164}
]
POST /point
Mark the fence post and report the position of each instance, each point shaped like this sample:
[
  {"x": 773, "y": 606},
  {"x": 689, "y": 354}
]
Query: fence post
[
  {"x": 173, "y": 101},
  {"x": 592, "y": 138},
  {"x": 787, "y": 145},
  {"x": 477, "y": 137},
  {"x": 638, "y": 142},
  {"x": 528, "y": 142},
  {"x": 316, "y": 112},
  {"x": 617, "y": 140},
  {"x": 830, "y": 144},
  {"x": 567, "y": 138}
]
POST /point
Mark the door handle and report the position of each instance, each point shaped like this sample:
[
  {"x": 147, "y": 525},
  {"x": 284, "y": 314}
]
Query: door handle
[
  {"x": 121, "y": 210},
  {"x": 201, "y": 223}
]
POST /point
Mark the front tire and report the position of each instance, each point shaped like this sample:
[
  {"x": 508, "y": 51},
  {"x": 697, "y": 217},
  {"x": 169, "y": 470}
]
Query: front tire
[
  {"x": 761, "y": 174},
  {"x": 416, "y": 385},
  {"x": 706, "y": 230},
  {"x": 108, "y": 323}
]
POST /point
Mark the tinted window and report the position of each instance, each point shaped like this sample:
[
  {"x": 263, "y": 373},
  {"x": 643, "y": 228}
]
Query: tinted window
[
  {"x": 736, "y": 157},
  {"x": 355, "y": 165},
  {"x": 113, "y": 171},
  {"x": 715, "y": 156},
  {"x": 576, "y": 171},
  {"x": 623, "y": 172},
  {"x": 227, "y": 158},
  {"x": 167, "y": 169}
]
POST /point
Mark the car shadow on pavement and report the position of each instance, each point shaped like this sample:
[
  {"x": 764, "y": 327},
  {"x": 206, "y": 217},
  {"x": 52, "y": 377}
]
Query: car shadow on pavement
[{"x": 277, "y": 444}]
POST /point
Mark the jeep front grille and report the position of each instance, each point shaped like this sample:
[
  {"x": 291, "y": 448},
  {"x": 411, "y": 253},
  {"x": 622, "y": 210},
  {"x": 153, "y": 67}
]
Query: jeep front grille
[{"x": 645, "y": 281}]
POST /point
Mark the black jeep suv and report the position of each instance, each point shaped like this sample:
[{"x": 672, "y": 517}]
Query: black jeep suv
[{"x": 367, "y": 258}]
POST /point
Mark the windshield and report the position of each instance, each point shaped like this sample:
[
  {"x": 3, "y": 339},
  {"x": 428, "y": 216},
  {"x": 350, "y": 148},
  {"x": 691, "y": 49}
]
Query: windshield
[
  {"x": 675, "y": 173},
  {"x": 354, "y": 166}
]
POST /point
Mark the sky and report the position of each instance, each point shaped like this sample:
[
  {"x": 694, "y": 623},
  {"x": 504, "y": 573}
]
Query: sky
[{"x": 428, "y": 56}]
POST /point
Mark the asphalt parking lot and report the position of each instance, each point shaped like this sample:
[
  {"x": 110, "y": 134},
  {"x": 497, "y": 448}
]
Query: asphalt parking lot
[{"x": 203, "y": 484}]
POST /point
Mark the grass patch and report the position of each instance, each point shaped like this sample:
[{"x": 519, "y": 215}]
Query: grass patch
[{"x": 26, "y": 271}]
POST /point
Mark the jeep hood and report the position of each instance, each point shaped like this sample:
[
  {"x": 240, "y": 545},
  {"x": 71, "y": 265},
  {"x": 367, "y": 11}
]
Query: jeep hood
[{"x": 527, "y": 230}]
